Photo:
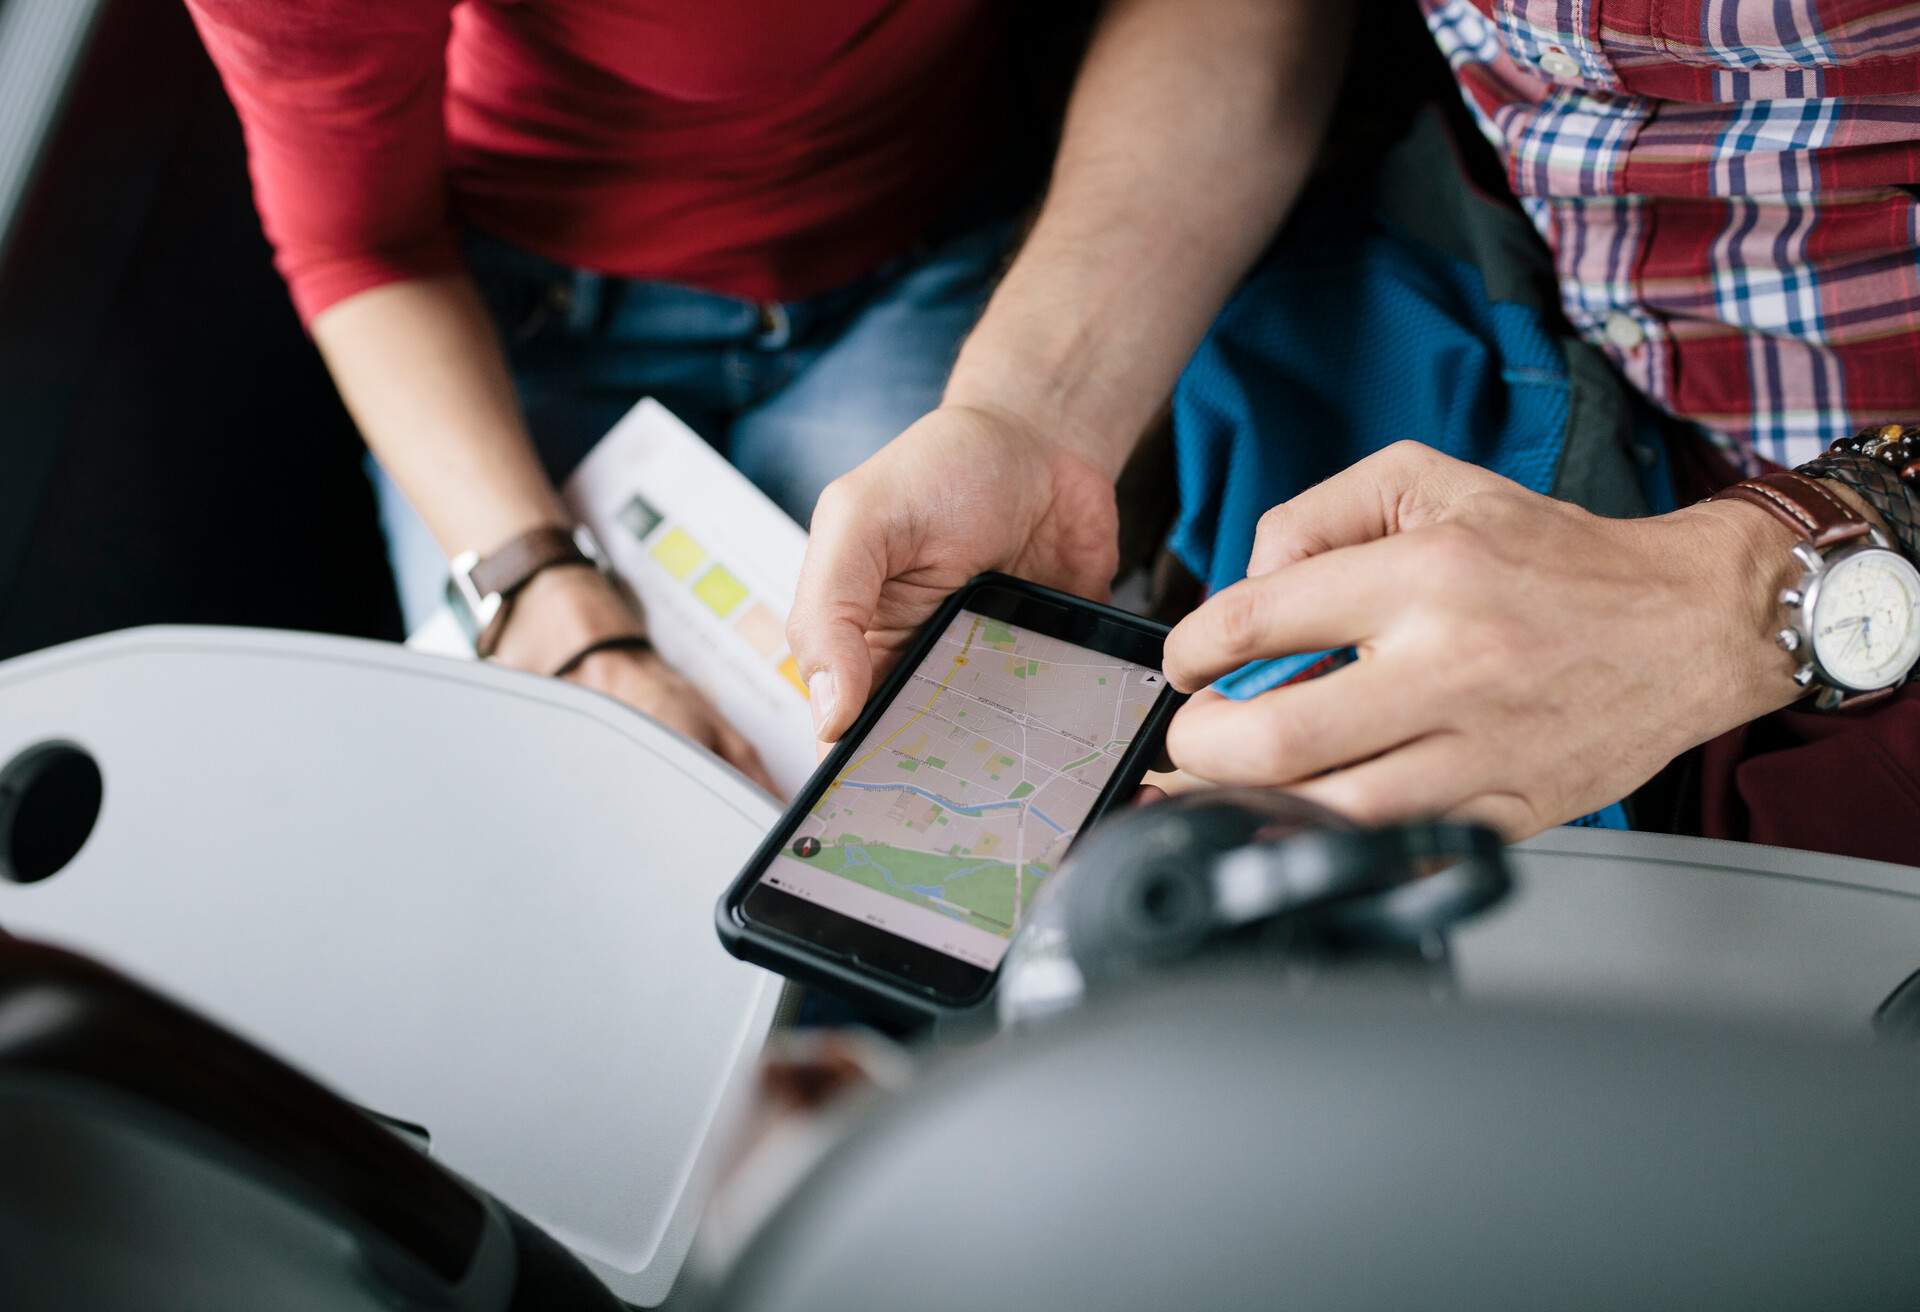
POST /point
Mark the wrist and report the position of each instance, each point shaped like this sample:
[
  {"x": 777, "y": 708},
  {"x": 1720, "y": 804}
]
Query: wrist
[
  {"x": 557, "y": 614},
  {"x": 1034, "y": 390},
  {"x": 1747, "y": 562},
  {"x": 1743, "y": 559}
]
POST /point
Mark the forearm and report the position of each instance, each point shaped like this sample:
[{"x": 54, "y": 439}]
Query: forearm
[
  {"x": 1192, "y": 127},
  {"x": 424, "y": 376}
]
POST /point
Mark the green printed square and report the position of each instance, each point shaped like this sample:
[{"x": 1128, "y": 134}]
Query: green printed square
[{"x": 720, "y": 590}]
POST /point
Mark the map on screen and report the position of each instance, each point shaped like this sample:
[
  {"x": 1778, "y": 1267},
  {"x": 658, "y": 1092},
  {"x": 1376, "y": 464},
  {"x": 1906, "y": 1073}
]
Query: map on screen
[{"x": 959, "y": 805}]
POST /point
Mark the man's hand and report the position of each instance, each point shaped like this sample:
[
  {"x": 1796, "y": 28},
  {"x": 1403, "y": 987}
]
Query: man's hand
[
  {"x": 1522, "y": 662},
  {"x": 1192, "y": 126},
  {"x": 963, "y": 490}
]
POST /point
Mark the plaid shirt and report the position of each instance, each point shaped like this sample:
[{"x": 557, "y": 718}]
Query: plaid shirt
[{"x": 1730, "y": 191}]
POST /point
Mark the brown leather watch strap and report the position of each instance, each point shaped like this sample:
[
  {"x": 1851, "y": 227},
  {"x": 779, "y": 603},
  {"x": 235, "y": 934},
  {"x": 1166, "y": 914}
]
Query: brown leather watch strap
[
  {"x": 510, "y": 567},
  {"x": 1824, "y": 520},
  {"x": 1803, "y": 505}
]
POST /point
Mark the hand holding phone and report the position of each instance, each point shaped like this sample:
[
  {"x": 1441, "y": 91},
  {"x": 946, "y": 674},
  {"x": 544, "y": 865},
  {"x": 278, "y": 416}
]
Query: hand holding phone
[{"x": 900, "y": 873}]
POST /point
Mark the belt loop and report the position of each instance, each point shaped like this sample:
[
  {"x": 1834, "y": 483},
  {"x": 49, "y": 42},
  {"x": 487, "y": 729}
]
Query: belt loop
[
  {"x": 584, "y": 314},
  {"x": 776, "y": 326}
]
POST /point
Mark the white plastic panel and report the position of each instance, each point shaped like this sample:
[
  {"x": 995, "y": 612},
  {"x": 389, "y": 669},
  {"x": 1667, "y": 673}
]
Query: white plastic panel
[{"x": 462, "y": 897}]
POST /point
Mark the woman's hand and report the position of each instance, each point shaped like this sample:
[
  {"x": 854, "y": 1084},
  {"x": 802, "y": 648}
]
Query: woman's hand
[
  {"x": 1522, "y": 662},
  {"x": 648, "y": 684},
  {"x": 562, "y": 611}
]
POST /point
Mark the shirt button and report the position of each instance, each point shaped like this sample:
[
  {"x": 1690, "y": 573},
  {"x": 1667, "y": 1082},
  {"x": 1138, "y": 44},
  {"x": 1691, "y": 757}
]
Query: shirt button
[
  {"x": 1558, "y": 63},
  {"x": 1624, "y": 331}
]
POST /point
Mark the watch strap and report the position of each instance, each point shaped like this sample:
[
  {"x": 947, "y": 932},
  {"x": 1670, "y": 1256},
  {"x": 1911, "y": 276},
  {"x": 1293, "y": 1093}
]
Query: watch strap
[
  {"x": 507, "y": 569},
  {"x": 514, "y": 563},
  {"x": 1803, "y": 505},
  {"x": 1824, "y": 521}
]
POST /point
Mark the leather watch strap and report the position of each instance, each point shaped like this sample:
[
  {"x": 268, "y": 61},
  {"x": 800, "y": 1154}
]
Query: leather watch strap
[
  {"x": 1803, "y": 505},
  {"x": 513, "y": 565},
  {"x": 1816, "y": 514}
]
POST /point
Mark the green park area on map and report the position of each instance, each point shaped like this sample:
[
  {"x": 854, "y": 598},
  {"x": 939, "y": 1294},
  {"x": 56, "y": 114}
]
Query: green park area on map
[{"x": 969, "y": 889}]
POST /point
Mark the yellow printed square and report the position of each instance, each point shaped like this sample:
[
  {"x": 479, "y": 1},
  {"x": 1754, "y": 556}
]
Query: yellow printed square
[
  {"x": 720, "y": 590},
  {"x": 678, "y": 553},
  {"x": 791, "y": 669}
]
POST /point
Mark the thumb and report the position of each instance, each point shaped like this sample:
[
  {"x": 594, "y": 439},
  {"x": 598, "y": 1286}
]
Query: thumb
[
  {"x": 1388, "y": 492},
  {"x": 833, "y": 607}
]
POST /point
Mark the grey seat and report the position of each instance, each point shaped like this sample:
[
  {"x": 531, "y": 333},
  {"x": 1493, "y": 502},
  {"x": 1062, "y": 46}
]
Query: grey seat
[{"x": 1218, "y": 1143}]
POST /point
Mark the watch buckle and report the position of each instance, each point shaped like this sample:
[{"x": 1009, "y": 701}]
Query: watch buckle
[
  {"x": 589, "y": 544},
  {"x": 474, "y": 611}
]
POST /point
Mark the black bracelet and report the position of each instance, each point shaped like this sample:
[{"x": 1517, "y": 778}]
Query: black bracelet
[
  {"x": 1881, "y": 463},
  {"x": 1881, "y": 487},
  {"x": 623, "y": 642}
]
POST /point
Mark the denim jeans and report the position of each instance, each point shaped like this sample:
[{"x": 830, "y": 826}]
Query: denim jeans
[{"x": 793, "y": 393}]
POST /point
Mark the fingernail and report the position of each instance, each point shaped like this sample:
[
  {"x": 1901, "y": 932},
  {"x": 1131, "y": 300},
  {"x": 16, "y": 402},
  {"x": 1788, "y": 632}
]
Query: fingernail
[{"x": 820, "y": 689}]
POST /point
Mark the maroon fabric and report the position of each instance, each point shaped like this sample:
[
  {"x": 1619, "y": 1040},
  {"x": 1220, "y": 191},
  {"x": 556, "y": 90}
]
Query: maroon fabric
[{"x": 1847, "y": 784}]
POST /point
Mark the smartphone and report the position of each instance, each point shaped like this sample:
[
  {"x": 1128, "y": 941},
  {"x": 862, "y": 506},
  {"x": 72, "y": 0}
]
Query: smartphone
[{"x": 902, "y": 870}]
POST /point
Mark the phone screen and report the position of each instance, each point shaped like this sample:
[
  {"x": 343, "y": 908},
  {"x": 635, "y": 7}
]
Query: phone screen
[{"x": 958, "y": 805}]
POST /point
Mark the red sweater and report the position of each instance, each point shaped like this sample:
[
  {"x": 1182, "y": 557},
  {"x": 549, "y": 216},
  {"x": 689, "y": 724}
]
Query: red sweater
[{"x": 768, "y": 149}]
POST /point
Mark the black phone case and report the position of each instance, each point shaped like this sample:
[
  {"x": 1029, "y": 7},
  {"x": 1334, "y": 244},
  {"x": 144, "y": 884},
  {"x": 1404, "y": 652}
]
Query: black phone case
[{"x": 798, "y": 960}]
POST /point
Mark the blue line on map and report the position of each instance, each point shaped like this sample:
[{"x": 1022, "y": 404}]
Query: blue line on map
[
  {"x": 962, "y": 807},
  {"x": 972, "y": 810}
]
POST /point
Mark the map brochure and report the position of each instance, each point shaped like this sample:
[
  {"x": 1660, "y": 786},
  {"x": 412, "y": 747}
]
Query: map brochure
[{"x": 713, "y": 562}]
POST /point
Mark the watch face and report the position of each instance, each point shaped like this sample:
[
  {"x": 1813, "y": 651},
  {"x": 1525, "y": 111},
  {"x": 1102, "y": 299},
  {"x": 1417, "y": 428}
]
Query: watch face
[{"x": 1866, "y": 619}]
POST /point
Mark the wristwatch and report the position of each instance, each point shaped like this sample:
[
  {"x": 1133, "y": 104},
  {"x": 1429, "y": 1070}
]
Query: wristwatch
[
  {"x": 1854, "y": 616},
  {"x": 481, "y": 589}
]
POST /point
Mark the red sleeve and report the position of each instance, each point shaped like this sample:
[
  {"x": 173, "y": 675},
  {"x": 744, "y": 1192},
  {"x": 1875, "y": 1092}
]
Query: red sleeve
[{"x": 341, "y": 101}]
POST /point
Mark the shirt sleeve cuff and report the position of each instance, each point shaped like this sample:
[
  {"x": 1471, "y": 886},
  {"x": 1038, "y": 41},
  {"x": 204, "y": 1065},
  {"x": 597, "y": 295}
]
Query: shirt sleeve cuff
[{"x": 318, "y": 284}]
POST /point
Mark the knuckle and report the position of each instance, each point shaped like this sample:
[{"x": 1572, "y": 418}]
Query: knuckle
[
  {"x": 1359, "y": 801},
  {"x": 1272, "y": 523},
  {"x": 1284, "y": 734},
  {"x": 1451, "y": 554},
  {"x": 1407, "y": 453},
  {"x": 1239, "y": 620},
  {"x": 837, "y": 499}
]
